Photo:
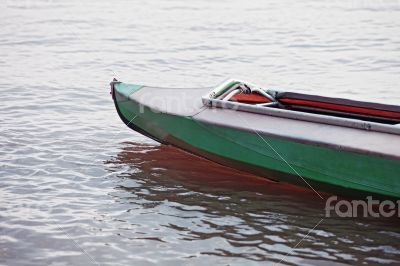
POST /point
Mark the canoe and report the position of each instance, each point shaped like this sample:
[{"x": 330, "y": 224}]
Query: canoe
[{"x": 340, "y": 146}]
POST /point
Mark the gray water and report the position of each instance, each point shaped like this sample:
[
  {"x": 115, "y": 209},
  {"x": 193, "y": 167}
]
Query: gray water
[{"x": 77, "y": 187}]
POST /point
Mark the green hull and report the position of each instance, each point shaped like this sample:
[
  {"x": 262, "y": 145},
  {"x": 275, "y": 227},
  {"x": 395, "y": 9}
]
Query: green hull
[{"x": 345, "y": 173}]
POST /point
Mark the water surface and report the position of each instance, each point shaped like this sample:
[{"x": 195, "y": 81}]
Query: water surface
[{"x": 78, "y": 187}]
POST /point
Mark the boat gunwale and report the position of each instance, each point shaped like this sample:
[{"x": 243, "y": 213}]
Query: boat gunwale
[
  {"x": 339, "y": 148},
  {"x": 297, "y": 115}
]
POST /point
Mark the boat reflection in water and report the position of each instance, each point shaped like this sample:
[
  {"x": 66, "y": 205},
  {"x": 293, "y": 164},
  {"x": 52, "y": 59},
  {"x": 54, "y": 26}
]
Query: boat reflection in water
[
  {"x": 172, "y": 168},
  {"x": 189, "y": 207}
]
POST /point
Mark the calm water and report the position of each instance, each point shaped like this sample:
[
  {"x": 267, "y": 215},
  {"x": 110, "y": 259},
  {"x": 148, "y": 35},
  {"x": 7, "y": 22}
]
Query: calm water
[{"x": 78, "y": 187}]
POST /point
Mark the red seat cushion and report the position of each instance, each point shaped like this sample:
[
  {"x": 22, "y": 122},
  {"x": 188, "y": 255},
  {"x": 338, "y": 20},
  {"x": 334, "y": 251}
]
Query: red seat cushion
[
  {"x": 252, "y": 98},
  {"x": 340, "y": 105}
]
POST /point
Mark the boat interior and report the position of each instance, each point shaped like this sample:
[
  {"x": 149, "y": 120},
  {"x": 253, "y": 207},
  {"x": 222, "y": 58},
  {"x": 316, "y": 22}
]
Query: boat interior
[{"x": 240, "y": 92}]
